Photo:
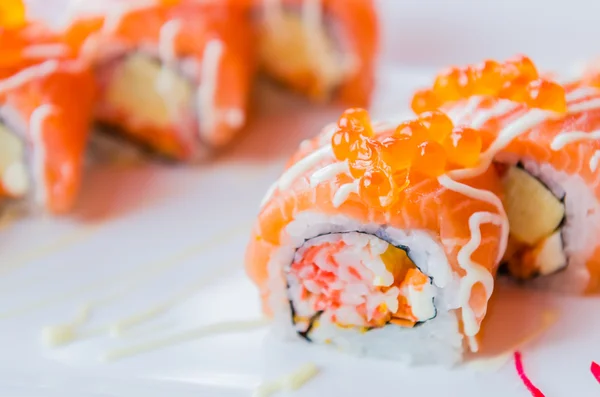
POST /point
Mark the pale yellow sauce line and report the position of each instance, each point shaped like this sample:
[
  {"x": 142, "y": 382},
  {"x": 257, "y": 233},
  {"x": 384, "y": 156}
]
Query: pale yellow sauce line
[
  {"x": 118, "y": 328},
  {"x": 61, "y": 334},
  {"x": 133, "y": 276},
  {"x": 289, "y": 382},
  {"x": 65, "y": 241},
  {"x": 220, "y": 328}
]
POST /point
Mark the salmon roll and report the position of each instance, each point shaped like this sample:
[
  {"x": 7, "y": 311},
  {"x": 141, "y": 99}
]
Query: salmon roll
[
  {"x": 173, "y": 76},
  {"x": 46, "y": 103},
  {"x": 324, "y": 49},
  {"x": 543, "y": 138},
  {"x": 365, "y": 243}
]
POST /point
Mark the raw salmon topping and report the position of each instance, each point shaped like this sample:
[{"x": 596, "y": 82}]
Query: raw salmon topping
[
  {"x": 427, "y": 146},
  {"x": 516, "y": 79}
]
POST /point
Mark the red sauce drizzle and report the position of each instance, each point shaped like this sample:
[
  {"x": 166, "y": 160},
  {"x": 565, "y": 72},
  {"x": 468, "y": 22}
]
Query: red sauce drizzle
[
  {"x": 535, "y": 392},
  {"x": 596, "y": 371}
]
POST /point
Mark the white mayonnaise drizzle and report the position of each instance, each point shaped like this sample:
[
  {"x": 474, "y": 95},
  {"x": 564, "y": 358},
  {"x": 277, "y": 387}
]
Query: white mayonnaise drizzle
[
  {"x": 186, "y": 336},
  {"x": 292, "y": 381},
  {"x": 344, "y": 192},
  {"x": 499, "y": 110},
  {"x": 166, "y": 51},
  {"x": 594, "y": 161},
  {"x": 301, "y": 167},
  {"x": 328, "y": 173},
  {"x": 26, "y": 75},
  {"x": 36, "y": 133},
  {"x": 45, "y": 51},
  {"x": 565, "y": 138},
  {"x": 206, "y": 101},
  {"x": 586, "y": 105},
  {"x": 269, "y": 194},
  {"x": 475, "y": 272},
  {"x": 581, "y": 93},
  {"x": 459, "y": 114}
]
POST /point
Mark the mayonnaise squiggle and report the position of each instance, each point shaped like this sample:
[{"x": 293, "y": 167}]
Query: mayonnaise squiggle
[
  {"x": 583, "y": 106},
  {"x": 565, "y": 138},
  {"x": 45, "y": 51},
  {"x": 329, "y": 172},
  {"x": 581, "y": 93},
  {"x": 344, "y": 192},
  {"x": 26, "y": 75},
  {"x": 594, "y": 161},
  {"x": 302, "y": 166},
  {"x": 207, "y": 91},
  {"x": 36, "y": 129},
  {"x": 475, "y": 272},
  {"x": 166, "y": 51}
]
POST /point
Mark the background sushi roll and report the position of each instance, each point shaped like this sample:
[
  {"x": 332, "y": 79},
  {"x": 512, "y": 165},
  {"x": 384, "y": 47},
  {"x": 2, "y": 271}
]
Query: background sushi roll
[
  {"x": 46, "y": 101},
  {"x": 324, "y": 49},
  {"x": 365, "y": 243},
  {"x": 174, "y": 76},
  {"x": 543, "y": 140}
]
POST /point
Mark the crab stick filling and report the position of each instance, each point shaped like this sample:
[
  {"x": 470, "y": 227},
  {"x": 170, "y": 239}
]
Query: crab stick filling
[
  {"x": 296, "y": 49},
  {"x": 357, "y": 280},
  {"x": 148, "y": 100},
  {"x": 14, "y": 179}
]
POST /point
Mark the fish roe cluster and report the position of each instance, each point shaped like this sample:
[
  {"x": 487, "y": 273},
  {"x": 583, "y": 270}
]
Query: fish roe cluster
[
  {"x": 427, "y": 146},
  {"x": 517, "y": 79}
]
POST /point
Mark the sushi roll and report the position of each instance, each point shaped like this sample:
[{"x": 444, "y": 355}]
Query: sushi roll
[
  {"x": 46, "y": 101},
  {"x": 173, "y": 76},
  {"x": 366, "y": 244},
  {"x": 543, "y": 138},
  {"x": 324, "y": 49}
]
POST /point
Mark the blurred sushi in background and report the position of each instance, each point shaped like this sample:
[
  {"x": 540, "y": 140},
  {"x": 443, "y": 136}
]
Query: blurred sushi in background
[
  {"x": 324, "y": 49},
  {"x": 174, "y": 76},
  {"x": 46, "y": 102}
]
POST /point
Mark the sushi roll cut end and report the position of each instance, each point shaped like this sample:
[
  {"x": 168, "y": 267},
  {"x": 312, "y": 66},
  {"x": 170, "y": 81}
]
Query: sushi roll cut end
[
  {"x": 147, "y": 98},
  {"x": 535, "y": 215}
]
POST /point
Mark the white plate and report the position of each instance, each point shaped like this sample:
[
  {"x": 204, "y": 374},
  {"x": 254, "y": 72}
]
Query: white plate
[{"x": 177, "y": 226}]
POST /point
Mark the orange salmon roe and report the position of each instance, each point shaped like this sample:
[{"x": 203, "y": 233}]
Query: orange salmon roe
[
  {"x": 547, "y": 95},
  {"x": 376, "y": 188},
  {"x": 424, "y": 100},
  {"x": 439, "y": 125},
  {"x": 430, "y": 159},
  {"x": 427, "y": 146},
  {"x": 463, "y": 146},
  {"x": 516, "y": 79}
]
